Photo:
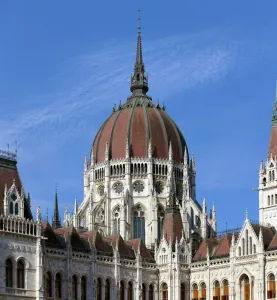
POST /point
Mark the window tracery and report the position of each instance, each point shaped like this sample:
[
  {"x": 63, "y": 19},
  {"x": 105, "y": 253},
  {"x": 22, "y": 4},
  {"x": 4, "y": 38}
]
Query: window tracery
[{"x": 139, "y": 223}]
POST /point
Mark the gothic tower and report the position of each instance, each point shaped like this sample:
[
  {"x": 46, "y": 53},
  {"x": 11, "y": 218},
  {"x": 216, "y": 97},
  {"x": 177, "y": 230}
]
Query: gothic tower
[{"x": 268, "y": 179}]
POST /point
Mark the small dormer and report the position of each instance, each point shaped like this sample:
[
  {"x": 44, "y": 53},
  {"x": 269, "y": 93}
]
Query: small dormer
[{"x": 13, "y": 201}]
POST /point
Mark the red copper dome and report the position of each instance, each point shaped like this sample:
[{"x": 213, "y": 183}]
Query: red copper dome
[{"x": 139, "y": 121}]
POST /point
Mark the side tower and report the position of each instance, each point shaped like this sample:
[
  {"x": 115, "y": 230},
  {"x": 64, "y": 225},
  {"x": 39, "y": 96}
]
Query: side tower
[{"x": 268, "y": 178}]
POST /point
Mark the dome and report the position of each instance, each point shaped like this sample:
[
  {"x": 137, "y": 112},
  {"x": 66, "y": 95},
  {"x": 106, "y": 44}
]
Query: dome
[{"x": 139, "y": 122}]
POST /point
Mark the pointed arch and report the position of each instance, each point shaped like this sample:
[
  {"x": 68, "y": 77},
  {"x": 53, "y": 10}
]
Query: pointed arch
[
  {"x": 107, "y": 289},
  {"x": 84, "y": 288},
  {"x": 20, "y": 274},
  {"x": 139, "y": 222},
  {"x": 58, "y": 286},
  {"x": 182, "y": 291},
  {"x": 151, "y": 292},
  {"x": 130, "y": 291},
  {"x": 9, "y": 273},
  {"x": 271, "y": 286},
  {"x": 122, "y": 288},
  {"x": 164, "y": 291},
  {"x": 48, "y": 285},
  {"x": 99, "y": 289},
  {"x": 74, "y": 287}
]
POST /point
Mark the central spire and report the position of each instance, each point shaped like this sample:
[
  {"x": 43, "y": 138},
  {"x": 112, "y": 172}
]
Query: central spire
[{"x": 139, "y": 81}]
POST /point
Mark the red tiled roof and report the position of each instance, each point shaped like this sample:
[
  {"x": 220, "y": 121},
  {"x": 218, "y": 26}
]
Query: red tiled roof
[
  {"x": 139, "y": 244},
  {"x": 218, "y": 247}
]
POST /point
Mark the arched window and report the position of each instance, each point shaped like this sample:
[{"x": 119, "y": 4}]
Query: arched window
[
  {"x": 182, "y": 292},
  {"x": 116, "y": 225},
  {"x": 121, "y": 290},
  {"x": 268, "y": 200},
  {"x": 58, "y": 286},
  {"x": 272, "y": 200},
  {"x": 225, "y": 290},
  {"x": 48, "y": 285},
  {"x": 83, "y": 288},
  {"x": 16, "y": 209},
  {"x": 275, "y": 198},
  {"x": 139, "y": 223},
  {"x": 271, "y": 287},
  {"x": 143, "y": 291},
  {"x": 195, "y": 292},
  {"x": 160, "y": 221},
  {"x": 9, "y": 273},
  {"x": 130, "y": 291},
  {"x": 243, "y": 246},
  {"x": 239, "y": 251},
  {"x": 74, "y": 287},
  {"x": 11, "y": 208},
  {"x": 151, "y": 292},
  {"x": 269, "y": 175},
  {"x": 273, "y": 176},
  {"x": 164, "y": 291},
  {"x": 99, "y": 289},
  {"x": 107, "y": 289},
  {"x": 20, "y": 275},
  {"x": 216, "y": 289},
  {"x": 251, "y": 246},
  {"x": 254, "y": 249},
  {"x": 203, "y": 291}
]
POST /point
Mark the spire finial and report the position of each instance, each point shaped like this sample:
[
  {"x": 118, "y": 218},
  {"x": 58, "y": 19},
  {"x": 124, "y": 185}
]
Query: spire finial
[
  {"x": 139, "y": 26},
  {"x": 139, "y": 81},
  {"x": 56, "y": 222}
]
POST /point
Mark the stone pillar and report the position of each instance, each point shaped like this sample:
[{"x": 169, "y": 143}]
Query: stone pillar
[{"x": 39, "y": 269}]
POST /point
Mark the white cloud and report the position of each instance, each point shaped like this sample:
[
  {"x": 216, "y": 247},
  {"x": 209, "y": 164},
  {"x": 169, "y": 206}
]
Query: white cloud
[{"x": 101, "y": 78}]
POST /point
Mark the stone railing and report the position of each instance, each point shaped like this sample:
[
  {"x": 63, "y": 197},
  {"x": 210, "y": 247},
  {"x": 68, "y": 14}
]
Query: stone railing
[{"x": 15, "y": 224}]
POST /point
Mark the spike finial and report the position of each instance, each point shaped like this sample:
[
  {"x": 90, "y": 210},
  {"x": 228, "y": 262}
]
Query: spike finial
[
  {"x": 56, "y": 222},
  {"x": 38, "y": 214},
  {"x": 246, "y": 214},
  {"x": 139, "y": 80}
]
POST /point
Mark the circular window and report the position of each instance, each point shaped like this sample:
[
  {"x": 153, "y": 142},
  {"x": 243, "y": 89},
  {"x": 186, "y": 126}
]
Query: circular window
[
  {"x": 159, "y": 187},
  {"x": 100, "y": 190},
  {"x": 138, "y": 186},
  {"x": 118, "y": 187}
]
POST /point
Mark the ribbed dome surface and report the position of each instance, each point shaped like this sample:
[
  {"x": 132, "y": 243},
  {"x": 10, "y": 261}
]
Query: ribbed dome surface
[{"x": 139, "y": 121}]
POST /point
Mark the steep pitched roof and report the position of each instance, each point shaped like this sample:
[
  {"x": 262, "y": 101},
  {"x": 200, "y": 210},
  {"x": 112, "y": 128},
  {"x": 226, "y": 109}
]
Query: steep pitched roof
[
  {"x": 52, "y": 240},
  {"x": 9, "y": 174},
  {"x": 138, "y": 244},
  {"x": 123, "y": 249},
  {"x": 268, "y": 233},
  {"x": 218, "y": 247}
]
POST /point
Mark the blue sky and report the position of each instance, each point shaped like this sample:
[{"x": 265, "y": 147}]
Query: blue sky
[{"x": 214, "y": 64}]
